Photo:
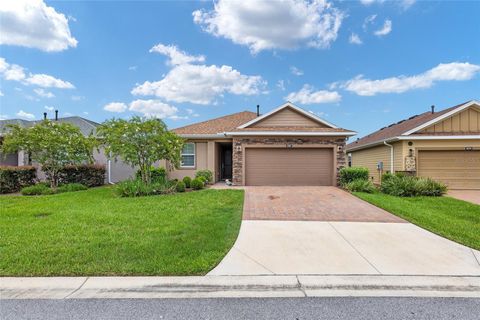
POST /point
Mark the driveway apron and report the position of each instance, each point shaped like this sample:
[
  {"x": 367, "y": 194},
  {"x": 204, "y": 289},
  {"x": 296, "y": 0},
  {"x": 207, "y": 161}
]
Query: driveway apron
[{"x": 325, "y": 230}]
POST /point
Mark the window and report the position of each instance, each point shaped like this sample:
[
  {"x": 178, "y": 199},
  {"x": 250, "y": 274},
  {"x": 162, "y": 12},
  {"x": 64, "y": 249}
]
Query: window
[{"x": 188, "y": 155}]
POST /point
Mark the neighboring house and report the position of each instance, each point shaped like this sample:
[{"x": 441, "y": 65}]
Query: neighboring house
[
  {"x": 286, "y": 146},
  {"x": 116, "y": 170},
  {"x": 443, "y": 145}
]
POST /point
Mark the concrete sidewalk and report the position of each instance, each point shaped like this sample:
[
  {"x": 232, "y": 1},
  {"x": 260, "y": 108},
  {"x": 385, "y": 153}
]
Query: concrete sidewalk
[{"x": 237, "y": 286}]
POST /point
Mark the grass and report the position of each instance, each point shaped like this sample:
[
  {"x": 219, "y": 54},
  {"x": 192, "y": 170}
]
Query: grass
[
  {"x": 93, "y": 232},
  {"x": 451, "y": 218}
]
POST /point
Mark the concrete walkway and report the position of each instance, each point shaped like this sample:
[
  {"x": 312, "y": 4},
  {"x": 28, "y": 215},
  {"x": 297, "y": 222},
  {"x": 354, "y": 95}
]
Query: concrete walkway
[
  {"x": 472, "y": 196},
  {"x": 334, "y": 248}
]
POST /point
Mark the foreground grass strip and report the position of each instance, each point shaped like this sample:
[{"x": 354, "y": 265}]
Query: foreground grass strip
[
  {"x": 94, "y": 232},
  {"x": 451, "y": 218}
]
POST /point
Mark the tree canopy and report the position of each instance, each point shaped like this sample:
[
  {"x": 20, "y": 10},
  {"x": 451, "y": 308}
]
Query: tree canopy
[
  {"x": 51, "y": 144},
  {"x": 141, "y": 142}
]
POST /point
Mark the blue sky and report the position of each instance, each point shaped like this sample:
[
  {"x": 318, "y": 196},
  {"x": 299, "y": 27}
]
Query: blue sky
[{"x": 360, "y": 65}]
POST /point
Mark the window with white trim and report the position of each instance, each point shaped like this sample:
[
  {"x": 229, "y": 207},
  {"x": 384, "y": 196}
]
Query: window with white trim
[{"x": 188, "y": 155}]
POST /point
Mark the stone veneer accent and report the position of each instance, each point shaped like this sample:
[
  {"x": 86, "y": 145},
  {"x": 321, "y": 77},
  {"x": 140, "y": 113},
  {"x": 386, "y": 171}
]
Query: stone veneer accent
[{"x": 240, "y": 142}]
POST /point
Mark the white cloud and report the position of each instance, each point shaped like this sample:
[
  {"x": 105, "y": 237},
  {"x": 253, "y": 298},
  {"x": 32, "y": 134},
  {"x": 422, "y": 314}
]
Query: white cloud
[
  {"x": 175, "y": 55},
  {"x": 154, "y": 108},
  {"x": 281, "y": 85},
  {"x": 386, "y": 29},
  {"x": 263, "y": 25},
  {"x": 369, "y": 2},
  {"x": 25, "y": 115},
  {"x": 47, "y": 81},
  {"x": 1, "y": 93},
  {"x": 77, "y": 98},
  {"x": 307, "y": 95},
  {"x": 192, "y": 113},
  {"x": 355, "y": 39},
  {"x": 49, "y": 108},
  {"x": 200, "y": 84},
  {"x": 115, "y": 107},
  {"x": 3, "y": 116},
  {"x": 368, "y": 21},
  {"x": 455, "y": 71},
  {"x": 405, "y": 4},
  {"x": 295, "y": 71},
  {"x": 132, "y": 68},
  {"x": 15, "y": 72},
  {"x": 44, "y": 94},
  {"x": 33, "y": 24}
]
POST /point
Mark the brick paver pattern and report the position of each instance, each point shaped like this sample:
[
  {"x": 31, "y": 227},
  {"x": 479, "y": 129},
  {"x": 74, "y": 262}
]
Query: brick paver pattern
[{"x": 310, "y": 204}]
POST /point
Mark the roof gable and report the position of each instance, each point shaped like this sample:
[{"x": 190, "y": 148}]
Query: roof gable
[
  {"x": 443, "y": 115},
  {"x": 465, "y": 121},
  {"x": 288, "y": 115},
  {"x": 408, "y": 126}
]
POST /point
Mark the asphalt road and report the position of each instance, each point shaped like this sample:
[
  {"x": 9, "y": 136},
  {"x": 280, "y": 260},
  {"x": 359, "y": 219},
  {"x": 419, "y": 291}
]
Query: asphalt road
[{"x": 271, "y": 308}]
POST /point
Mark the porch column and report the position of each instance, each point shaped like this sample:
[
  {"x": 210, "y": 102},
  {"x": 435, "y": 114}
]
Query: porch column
[{"x": 211, "y": 156}]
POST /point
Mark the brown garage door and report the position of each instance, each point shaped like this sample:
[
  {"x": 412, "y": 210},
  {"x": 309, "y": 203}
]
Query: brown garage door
[
  {"x": 288, "y": 167},
  {"x": 458, "y": 169}
]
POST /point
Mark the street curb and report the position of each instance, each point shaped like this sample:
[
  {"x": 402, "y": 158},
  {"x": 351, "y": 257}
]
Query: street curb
[{"x": 238, "y": 286}]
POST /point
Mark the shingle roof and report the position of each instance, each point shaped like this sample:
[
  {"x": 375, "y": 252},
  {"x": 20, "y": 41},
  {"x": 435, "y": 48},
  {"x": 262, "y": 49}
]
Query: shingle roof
[
  {"x": 86, "y": 126},
  {"x": 217, "y": 125},
  {"x": 397, "y": 129},
  {"x": 293, "y": 129}
]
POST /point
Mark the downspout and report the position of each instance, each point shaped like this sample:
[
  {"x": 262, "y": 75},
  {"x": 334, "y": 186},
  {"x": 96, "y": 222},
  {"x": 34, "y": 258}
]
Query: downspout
[
  {"x": 109, "y": 170},
  {"x": 391, "y": 155}
]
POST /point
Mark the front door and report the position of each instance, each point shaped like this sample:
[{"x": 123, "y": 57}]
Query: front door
[{"x": 226, "y": 162}]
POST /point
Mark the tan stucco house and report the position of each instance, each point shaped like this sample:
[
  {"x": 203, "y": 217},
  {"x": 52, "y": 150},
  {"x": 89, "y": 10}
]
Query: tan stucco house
[
  {"x": 443, "y": 145},
  {"x": 286, "y": 146}
]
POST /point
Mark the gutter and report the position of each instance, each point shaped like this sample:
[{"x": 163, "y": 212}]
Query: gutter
[
  {"x": 290, "y": 133},
  {"x": 391, "y": 155}
]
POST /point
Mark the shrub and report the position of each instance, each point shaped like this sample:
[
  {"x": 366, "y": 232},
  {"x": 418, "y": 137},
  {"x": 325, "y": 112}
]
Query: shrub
[
  {"x": 90, "y": 175},
  {"x": 360, "y": 185},
  {"x": 408, "y": 186},
  {"x": 207, "y": 174},
  {"x": 13, "y": 179},
  {"x": 38, "y": 189},
  {"x": 203, "y": 179},
  {"x": 353, "y": 173},
  {"x": 187, "y": 180},
  {"x": 197, "y": 184},
  {"x": 71, "y": 187},
  {"x": 156, "y": 174},
  {"x": 429, "y": 187},
  {"x": 137, "y": 188},
  {"x": 180, "y": 186}
]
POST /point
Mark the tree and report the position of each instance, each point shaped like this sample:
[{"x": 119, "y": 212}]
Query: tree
[
  {"x": 141, "y": 142},
  {"x": 51, "y": 144}
]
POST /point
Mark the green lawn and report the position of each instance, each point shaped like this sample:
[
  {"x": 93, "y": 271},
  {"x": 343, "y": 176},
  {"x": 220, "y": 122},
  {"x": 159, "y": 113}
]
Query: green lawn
[
  {"x": 94, "y": 232},
  {"x": 451, "y": 218}
]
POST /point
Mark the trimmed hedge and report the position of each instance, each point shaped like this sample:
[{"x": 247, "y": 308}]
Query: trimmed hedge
[
  {"x": 156, "y": 174},
  {"x": 187, "y": 180},
  {"x": 90, "y": 175},
  {"x": 37, "y": 190},
  {"x": 180, "y": 186},
  {"x": 350, "y": 174},
  {"x": 13, "y": 179},
  {"x": 197, "y": 183}
]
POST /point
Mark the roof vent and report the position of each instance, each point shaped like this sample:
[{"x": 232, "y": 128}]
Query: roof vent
[
  {"x": 44, "y": 116},
  {"x": 258, "y": 110},
  {"x": 56, "y": 115},
  {"x": 433, "y": 109}
]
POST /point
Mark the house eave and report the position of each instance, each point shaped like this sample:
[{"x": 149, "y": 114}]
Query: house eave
[
  {"x": 404, "y": 137},
  {"x": 289, "y": 133},
  {"x": 203, "y": 136}
]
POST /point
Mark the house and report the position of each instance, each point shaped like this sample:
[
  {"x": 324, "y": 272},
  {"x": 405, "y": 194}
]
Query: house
[
  {"x": 117, "y": 170},
  {"x": 443, "y": 145},
  {"x": 286, "y": 146}
]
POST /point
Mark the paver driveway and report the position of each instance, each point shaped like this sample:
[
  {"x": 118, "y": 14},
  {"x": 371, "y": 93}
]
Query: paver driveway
[
  {"x": 335, "y": 233},
  {"x": 310, "y": 203}
]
